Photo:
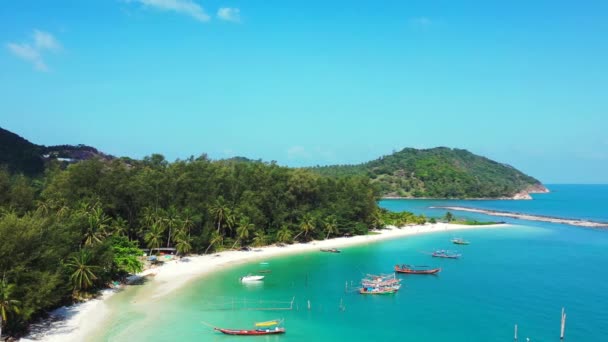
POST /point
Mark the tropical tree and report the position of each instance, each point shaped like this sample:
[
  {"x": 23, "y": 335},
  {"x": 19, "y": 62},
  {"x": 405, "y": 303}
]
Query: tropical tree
[
  {"x": 242, "y": 231},
  {"x": 171, "y": 221},
  {"x": 449, "y": 217},
  {"x": 119, "y": 226},
  {"x": 307, "y": 225},
  {"x": 97, "y": 222},
  {"x": 216, "y": 239},
  {"x": 82, "y": 276},
  {"x": 330, "y": 225},
  {"x": 284, "y": 234},
  {"x": 7, "y": 303},
  {"x": 259, "y": 239},
  {"x": 218, "y": 211},
  {"x": 154, "y": 236},
  {"x": 183, "y": 244}
]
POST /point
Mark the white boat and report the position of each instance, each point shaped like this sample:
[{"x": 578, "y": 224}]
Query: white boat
[{"x": 251, "y": 278}]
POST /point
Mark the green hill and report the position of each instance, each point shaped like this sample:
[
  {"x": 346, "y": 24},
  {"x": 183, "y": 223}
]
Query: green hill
[
  {"x": 19, "y": 155},
  {"x": 440, "y": 172}
]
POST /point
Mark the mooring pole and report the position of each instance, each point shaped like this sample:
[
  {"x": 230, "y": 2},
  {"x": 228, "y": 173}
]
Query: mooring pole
[{"x": 563, "y": 327}]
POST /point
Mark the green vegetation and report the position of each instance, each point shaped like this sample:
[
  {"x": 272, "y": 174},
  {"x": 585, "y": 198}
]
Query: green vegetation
[
  {"x": 437, "y": 173},
  {"x": 398, "y": 219},
  {"x": 72, "y": 231}
]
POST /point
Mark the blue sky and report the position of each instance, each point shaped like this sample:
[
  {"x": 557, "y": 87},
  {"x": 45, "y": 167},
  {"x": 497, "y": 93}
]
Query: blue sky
[{"x": 313, "y": 82}]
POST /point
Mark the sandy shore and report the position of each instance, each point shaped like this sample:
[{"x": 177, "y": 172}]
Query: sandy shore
[
  {"x": 74, "y": 323},
  {"x": 572, "y": 222}
]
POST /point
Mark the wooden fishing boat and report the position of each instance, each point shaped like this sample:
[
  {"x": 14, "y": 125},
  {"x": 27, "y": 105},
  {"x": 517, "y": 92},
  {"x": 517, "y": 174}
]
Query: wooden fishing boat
[
  {"x": 416, "y": 269},
  {"x": 252, "y": 332},
  {"x": 460, "y": 241},
  {"x": 330, "y": 250},
  {"x": 445, "y": 254},
  {"x": 262, "y": 328}
]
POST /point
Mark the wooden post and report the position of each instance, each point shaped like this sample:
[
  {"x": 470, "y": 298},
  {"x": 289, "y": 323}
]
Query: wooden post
[
  {"x": 515, "y": 332},
  {"x": 563, "y": 327}
]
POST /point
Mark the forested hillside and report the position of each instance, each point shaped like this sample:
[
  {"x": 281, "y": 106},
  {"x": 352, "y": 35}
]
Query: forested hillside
[
  {"x": 439, "y": 173},
  {"x": 70, "y": 232}
]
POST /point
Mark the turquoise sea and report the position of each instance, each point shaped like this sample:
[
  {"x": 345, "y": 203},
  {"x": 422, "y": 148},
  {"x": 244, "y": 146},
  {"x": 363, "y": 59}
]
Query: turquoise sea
[{"x": 523, "y": 274}]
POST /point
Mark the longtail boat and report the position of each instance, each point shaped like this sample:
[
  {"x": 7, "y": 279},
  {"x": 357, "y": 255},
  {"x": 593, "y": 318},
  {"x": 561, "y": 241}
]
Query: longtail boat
[
  {"x": 460, "y": 241},
  {"x": 416, "y": 269},
  {"x": 262, "y": 328},
  {"x": 330, "y": 250},
  {"x": 252, "y": 332},
  {"x": 445, "y": 254}
]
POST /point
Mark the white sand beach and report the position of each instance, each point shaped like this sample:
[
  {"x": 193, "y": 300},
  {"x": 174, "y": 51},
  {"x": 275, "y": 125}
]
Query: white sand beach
[{"x": 74, "y": 323}]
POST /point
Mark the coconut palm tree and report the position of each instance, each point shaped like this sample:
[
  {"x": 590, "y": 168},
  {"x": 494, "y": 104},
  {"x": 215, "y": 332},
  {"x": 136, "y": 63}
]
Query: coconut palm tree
[
  {"x": 259, "y": 239},
  {"x": 7, "y": 303},
  {"x": 330, "y": 226},
  {"x": 242, "y": 231},
  {"x": 97, "y": 223},
  {"x": 119, "y": 226},
  {"x": 171, "y": 221},
  {"x": 154, "y": 237},
  {"x": 218, "y": 211},
  {"x": 183, "y": 244},
  {"x": 307, "y": 225},
  {"x": 82, "y": 272},
  {"x": 216, "y": 238},
  {"x": 284, "y": 234}
]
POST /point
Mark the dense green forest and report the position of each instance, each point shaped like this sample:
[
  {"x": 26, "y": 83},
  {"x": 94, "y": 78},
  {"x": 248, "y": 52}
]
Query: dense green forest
[
  {"x": 74, "y": 229},
  {"x": 439, "y": 173}
]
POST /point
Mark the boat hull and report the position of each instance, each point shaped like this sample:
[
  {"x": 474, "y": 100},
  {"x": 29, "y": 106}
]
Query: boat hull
[
  {"x": 253, "y": 332},
  {"x": 412, "y": 271}
]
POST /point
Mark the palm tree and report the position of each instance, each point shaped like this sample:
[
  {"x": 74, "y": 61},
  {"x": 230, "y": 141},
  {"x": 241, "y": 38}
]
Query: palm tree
[
  {"x": 331, "y": 226},
  {"x": 306, "y": 226},
  {"x": 377, "y": 220},
  {"x": 119, "y": 226},
  {"x": 7, "y": 303},
  {"x": 219, "y": 210},
  {"x": 82, "y": 273},
  {"x": 242, "y": 231},
  {"x": 259, "y": 238},
  {"x": 172, "y": 221},
  {"x": 97, "y": 223},
  {"x": 216, "y": 238},
  {"x": 154, "y": 237},
  {"x": 183, "y": 244},
  {"x": 284, "y": 234}
]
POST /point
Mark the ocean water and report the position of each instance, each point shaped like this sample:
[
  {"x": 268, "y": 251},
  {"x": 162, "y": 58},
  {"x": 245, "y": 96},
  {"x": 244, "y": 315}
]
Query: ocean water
[{"x": 522, "y": 274}]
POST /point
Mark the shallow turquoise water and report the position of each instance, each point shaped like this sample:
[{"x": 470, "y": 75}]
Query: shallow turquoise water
[{"x": 523, "y": 274}]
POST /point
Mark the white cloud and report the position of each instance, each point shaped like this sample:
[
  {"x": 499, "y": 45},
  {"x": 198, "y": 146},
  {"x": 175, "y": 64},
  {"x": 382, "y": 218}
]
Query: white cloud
[
  {"x": 229, "y": 14},
  {"x": 420, "y": 22},
  {"x": 45, "y": 41},
  {"x": 32, "y": 52},
  {"x": 187, "y": 7}
]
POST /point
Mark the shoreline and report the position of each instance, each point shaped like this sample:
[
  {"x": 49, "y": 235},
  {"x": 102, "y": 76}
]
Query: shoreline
[
  {"x": 530, "y": 217},
  {"x": 76, "y": 322}
]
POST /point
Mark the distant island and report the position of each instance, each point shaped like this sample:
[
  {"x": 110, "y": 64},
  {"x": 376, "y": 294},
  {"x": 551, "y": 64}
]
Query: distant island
[{"x": 440, "y": 172}]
